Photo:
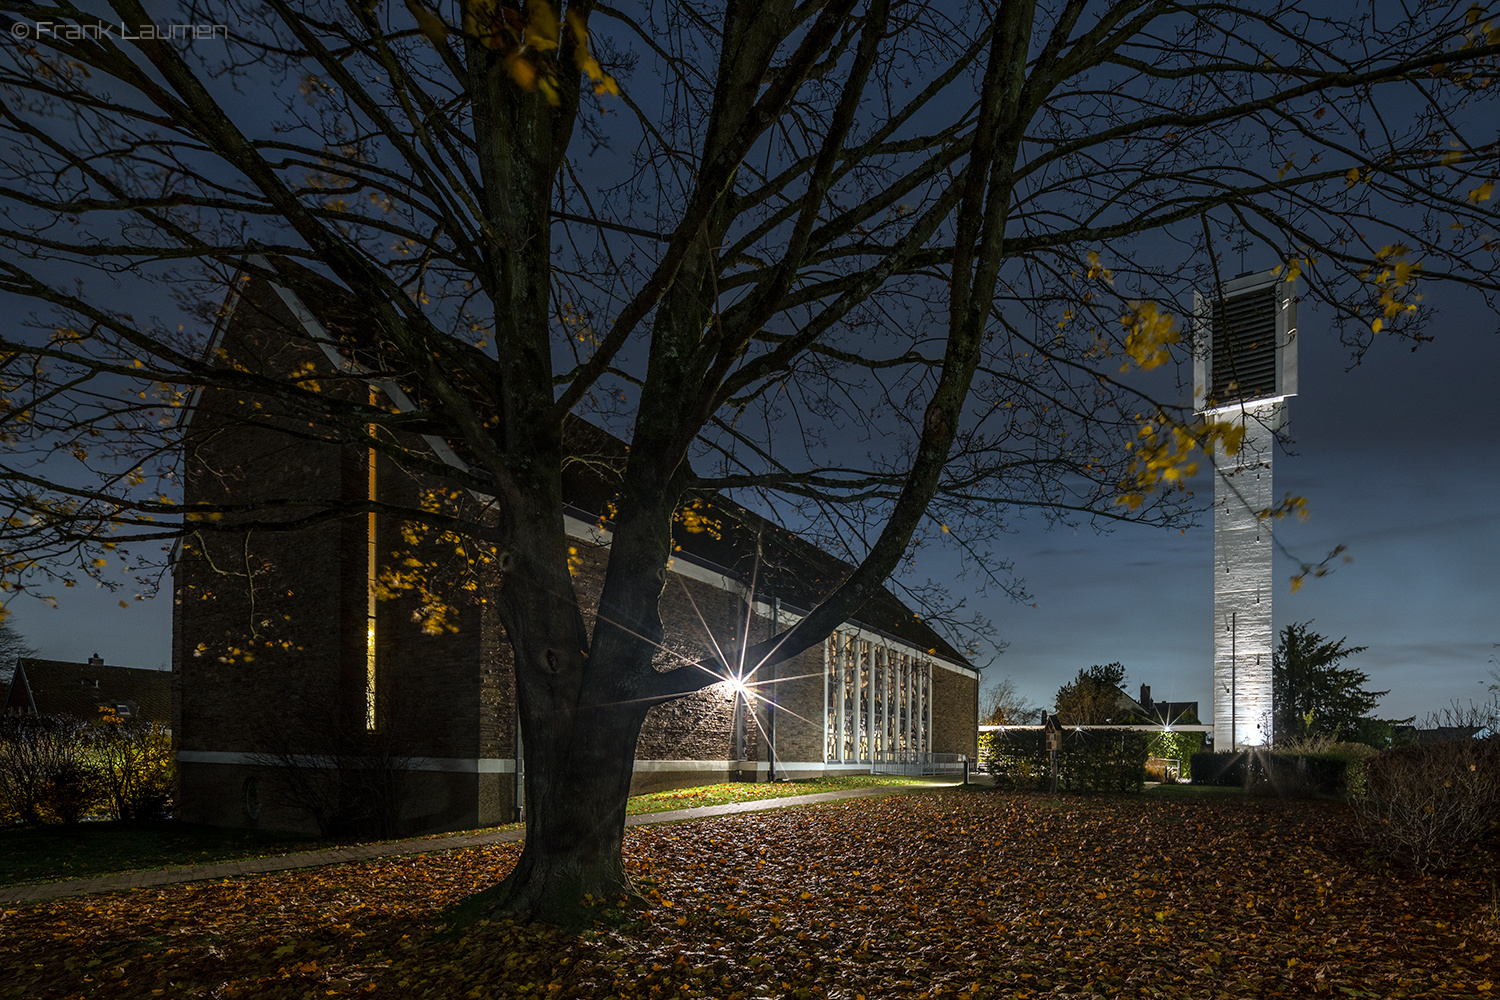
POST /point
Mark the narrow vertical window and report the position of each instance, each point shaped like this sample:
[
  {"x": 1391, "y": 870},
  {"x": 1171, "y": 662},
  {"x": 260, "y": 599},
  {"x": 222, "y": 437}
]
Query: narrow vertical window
[{"x": 371, "y": 722}]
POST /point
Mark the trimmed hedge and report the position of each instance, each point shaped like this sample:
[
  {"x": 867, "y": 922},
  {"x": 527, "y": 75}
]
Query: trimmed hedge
[
  {"x": 1282, "y": 774},
  {"x": 1090, "y": 760}
]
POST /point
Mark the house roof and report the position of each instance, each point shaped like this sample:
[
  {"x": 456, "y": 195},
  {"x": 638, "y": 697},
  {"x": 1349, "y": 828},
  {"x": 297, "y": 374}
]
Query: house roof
[
  {"x": 1442, "y": 734},
  {"x": 80, "y": 690},
  {"x": 741, "y": 544}
]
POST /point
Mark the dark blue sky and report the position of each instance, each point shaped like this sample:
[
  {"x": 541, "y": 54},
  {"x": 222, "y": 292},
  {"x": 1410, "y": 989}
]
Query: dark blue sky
[{"x": 1399, "y": 461}]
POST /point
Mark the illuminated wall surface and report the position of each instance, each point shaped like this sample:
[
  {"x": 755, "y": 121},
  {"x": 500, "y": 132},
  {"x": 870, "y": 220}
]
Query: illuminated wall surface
[{"x": 1243, "y": 634}]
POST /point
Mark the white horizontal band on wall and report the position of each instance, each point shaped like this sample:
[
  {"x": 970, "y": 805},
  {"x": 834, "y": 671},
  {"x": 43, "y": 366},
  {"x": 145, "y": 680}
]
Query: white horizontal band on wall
[
  {"x": 506, "y": 765},
  {"x": 483, "y": 765}
]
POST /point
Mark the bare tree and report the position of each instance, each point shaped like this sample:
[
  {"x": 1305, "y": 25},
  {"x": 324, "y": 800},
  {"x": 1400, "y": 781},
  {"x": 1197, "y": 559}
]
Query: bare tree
[
  {"x": 1003, "y": 705},
  {"x": 869, "y": 267},
  {"x": 13, "y": 646}
]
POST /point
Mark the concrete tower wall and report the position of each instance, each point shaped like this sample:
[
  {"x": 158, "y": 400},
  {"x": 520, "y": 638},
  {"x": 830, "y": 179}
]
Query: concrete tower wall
[{"x": 1243, "y": 633}]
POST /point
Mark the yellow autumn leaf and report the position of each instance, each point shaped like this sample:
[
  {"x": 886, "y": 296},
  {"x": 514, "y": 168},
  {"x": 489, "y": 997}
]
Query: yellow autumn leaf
[
  {"x": 1150, "y": 330},
  {"x": 522, "y": 71},
  {"x": 1375, "y": 326},
  {"x": 1352, "y": 177},
  {"x": 584, "y": 59},
  {"x": 1098, "y": 270},
  {"x": 541, "y": 26},
  {"x": 432, "y": 26},
  {"x": 487, "y": 21},
  {"x": 1481, "y": 193}
]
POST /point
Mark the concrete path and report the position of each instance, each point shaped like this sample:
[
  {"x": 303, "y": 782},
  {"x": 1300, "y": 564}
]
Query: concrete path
[{"x": 10, "y": 895}]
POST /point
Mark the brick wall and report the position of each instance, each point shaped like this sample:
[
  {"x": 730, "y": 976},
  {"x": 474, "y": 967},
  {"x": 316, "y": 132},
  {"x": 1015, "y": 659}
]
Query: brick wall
[
  {"x": 277, "y": 660},
  {"x": 955, "y": 722},
  {"x": 450, "y": 696}
]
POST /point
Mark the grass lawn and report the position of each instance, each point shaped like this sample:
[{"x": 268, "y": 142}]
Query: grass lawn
[
  {"x": 747, "y": 791},
  {"x": 970, "y": 895},
  {"x": 54, "y": 853}
]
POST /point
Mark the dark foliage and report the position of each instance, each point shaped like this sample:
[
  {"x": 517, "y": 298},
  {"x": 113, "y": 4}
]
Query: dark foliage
[
  {"x": 1313, "y": 696},
  {"x": 1429, "y": 804},
  {"x": 55, "y": 769},
  {"x": 42, "y": 776},
  {"x": 1286, "y": 775},
  {"x": 1090, "y": 760},
  {"x": 1093, "y": 697}
]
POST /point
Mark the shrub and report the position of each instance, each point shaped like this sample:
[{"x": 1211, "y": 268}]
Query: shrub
[
  {"x": 1268, "y": 773},
  {"x": 1017, "y": 758},
  {"x": 134, "y": 763},
  {"x": 1100, "y": 760},
  {"x": 71, "y": 788},
  {"x": 1427, "y": 804},
  {"x": 42, "y": 774},
  {"x": 1354, "y": 755},
  {"x": 59, "y": 769},
  {"x": 1173, "y": 746},
  {"x": 346, "y": 780},
  {"x": 1105, "y": 760}
]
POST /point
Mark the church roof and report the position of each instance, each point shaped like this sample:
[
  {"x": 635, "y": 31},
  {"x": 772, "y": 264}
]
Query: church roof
[{"x": 741, "y": 544}]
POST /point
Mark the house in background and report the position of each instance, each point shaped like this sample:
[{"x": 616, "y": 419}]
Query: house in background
[
  {"x": 86, "y": 690},
  {"x": 1167, "y": 712},
  {"x": 282, "y": 653}
]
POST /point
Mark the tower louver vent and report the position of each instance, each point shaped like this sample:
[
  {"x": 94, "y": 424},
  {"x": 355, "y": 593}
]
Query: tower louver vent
[{"x": 1244, "y": 347}]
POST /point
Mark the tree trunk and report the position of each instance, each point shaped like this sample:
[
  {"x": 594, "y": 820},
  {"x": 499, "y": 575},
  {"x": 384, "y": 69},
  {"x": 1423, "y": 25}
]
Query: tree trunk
[{"x": 575, "y": 827}]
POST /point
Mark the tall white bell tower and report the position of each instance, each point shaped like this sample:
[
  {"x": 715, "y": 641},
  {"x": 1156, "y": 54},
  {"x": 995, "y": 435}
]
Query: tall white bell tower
[{"x": 1245, "y": 369}]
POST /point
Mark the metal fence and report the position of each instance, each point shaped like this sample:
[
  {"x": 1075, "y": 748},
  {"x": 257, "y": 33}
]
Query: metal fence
[{"x": 922, "y": 763}]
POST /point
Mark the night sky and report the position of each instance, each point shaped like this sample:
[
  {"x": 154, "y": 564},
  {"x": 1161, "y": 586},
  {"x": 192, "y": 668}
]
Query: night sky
[{"x": 1399, "y": 461}]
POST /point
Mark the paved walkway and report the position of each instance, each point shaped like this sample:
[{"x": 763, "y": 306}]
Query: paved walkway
[{"x": 10, "y": 895}]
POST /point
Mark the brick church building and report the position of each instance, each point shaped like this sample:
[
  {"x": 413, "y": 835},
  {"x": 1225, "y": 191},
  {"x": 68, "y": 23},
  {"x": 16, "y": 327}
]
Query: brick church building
[{"x": 293, "y": 682}]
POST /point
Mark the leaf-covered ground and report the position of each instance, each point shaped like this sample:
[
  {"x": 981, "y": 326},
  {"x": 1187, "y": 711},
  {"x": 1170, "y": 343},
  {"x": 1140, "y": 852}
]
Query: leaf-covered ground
[
  {"x": 31, "y": 855},
  {"x": 943, "y": 894}
]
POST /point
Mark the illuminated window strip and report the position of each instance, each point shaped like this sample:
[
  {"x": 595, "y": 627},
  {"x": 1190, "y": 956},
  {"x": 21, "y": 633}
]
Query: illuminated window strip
[{"x": 371, "y": 721}]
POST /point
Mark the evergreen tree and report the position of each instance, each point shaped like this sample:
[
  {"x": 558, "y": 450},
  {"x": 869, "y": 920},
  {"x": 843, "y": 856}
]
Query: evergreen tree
[
  {"x": 1093, "y": 697},
  {"x": 1311, "y": 694}
]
